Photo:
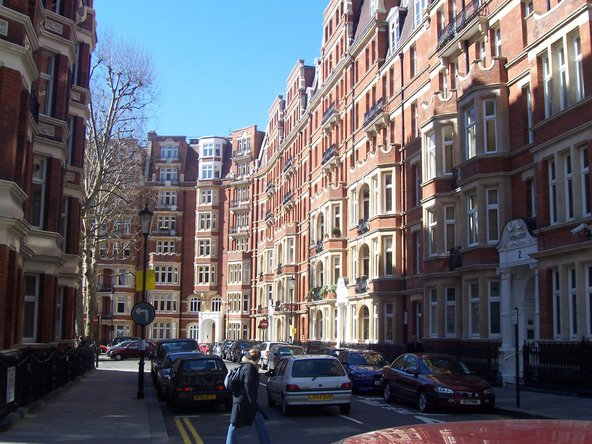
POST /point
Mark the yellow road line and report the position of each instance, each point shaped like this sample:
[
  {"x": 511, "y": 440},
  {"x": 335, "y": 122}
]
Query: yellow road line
[
  {"x": 193, "y": 431},
  {"x": 181, "y": 429}
]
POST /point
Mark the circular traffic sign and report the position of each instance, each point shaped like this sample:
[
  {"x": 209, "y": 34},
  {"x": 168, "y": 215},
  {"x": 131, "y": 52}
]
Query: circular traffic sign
[{"x": 143, "y": 313}]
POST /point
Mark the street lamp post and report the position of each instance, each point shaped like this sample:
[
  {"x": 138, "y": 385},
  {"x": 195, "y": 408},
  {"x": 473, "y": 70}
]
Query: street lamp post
[
  {"x": 111, "y": 296},
  {"x": 145, "y": 222},
  {"x": 291, "y": 283}
]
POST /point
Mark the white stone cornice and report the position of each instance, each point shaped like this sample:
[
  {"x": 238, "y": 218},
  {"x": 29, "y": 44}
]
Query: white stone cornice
[{"x": 20, "y": 59}]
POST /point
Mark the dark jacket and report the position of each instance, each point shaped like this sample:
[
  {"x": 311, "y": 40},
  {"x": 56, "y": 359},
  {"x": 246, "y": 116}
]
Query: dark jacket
[{"x": 244, "y": 400}]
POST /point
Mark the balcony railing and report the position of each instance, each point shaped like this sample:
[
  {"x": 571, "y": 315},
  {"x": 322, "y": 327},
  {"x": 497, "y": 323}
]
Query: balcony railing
[
  {"x": 460, "y": 21},
  {"x": 279, "y": 269},
  {"x": 288, "y": 165},
  {"x": 269, "y": 187},
  {"x": 373, "y": 112},
  {"x": 328, "y": 112},
  {"x": 328, "y": 154},
  {"x": 287, "y": 198},
  {"x": 455, "y": 258},
  {"x": 362, "y": 284},
  {"x": 363, "y": 226},
  {"x": 319, "y": 246}
]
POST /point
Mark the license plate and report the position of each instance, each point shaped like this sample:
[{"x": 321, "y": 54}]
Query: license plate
[
  {"x": 320, "y": 397},
  {"x": 470, "y": 401},
  {"x": 203, "y": 397}
]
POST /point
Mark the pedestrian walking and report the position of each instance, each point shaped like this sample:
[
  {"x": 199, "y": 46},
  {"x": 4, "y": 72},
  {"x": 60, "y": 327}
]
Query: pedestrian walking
[{"x": 245, "y": 410}]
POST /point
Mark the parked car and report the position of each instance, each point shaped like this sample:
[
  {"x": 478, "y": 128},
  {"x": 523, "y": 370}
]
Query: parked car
[
  {"x": 119, "y": 339},
  {"x": 435, "y": 380},
  {"x": 239, "y": 348},
  {"x": 279, "y": 351},
  {"x": 196, "y": 380},
  {"x": 557, "y": 431},
  {"x": 165, "y": 346},
  {"x": 130, "y": 349},
  {"x": 265, "y": 349},
  {"x": 164, "y": 369},
  {"x": 306, "y": 380},
  {"x": 364, "y": 368}
]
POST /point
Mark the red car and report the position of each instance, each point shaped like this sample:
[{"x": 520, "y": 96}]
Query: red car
[
  {"x": 130, "y": 350},
  {"x": 435, "y": 380}
]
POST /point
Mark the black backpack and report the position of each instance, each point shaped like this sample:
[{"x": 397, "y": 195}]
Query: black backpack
[{"x": 232, "y": 379}]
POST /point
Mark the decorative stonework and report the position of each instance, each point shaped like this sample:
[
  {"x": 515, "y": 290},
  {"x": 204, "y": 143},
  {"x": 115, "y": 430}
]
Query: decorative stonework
[{"x": 56, "y": 27}]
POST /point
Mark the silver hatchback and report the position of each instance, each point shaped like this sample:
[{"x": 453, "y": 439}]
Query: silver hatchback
[{"x": 307, "y": 380}]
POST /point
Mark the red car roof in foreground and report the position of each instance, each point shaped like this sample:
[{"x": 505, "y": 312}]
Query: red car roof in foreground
[{"x": 540, "y": 431}]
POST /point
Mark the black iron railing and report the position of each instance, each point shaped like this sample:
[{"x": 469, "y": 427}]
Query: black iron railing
[
  {"x": 319, "y": 246},
  {"x": 328, "y": 112},
  {"x": 460, "y": 21},
  {"x": 36, "y": 373},
  {"x": 560, "y": 365},
  {"x": 328, "y": 154},
  {"x": 362, "y": 284},
  {"x": 373, "y": 112},
  {"x": 363, "y": 226}
]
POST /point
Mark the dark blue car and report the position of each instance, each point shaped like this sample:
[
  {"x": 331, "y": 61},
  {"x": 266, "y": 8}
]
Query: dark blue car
[{"x": 364, "y": 368}]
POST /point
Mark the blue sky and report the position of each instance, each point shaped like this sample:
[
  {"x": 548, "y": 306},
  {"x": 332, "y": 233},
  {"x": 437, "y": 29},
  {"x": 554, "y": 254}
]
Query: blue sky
[{"x": 219, "y": 63}]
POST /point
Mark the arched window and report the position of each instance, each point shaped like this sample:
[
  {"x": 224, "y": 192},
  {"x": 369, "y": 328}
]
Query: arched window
[
  {"x": 216, "y": 304},
  {"x": 364, "y": 323},
  {"x": 365, "y": 198},
  {"x": 193, "y": 331},
  {"x": 319, "y": 325},
  {"x": 194, "y": 304},
  {"x": 364, "y": 261}
]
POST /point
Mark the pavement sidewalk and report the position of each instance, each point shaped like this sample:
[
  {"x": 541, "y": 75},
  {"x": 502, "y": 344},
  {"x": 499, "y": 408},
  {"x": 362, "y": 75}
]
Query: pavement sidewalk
[{"x": 101, "y": 406}]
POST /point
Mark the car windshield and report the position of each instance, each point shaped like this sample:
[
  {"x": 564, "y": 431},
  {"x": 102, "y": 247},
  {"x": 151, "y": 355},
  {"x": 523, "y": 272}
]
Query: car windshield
[
  {"x": 443, "y": 365},
  {"x": 199, "y": 365},
  {"x": 315, "y": 368},
  {"x": 179, "y": 346},
  {"x": 289, "y": 351},
  {"x": 367, "y": 359}
]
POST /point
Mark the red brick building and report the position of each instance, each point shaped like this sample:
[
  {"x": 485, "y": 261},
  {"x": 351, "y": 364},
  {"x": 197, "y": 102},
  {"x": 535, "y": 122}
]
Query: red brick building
[
  {"x": 45, "y": 49},
  {"x": 426, "y": 176}
]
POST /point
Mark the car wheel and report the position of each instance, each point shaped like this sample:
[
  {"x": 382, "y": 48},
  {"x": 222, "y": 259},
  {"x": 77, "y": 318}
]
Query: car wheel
[
  {"x": 286, "y": 409},
  {"x": 422, "y": 402},
  {"x": 387, "y": 394},
  {"x": 344, "y": 409},
  {"x": 118, "y": 357}
]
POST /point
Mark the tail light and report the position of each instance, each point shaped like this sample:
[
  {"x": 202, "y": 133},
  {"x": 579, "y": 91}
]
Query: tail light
[
  {"x": 292, "y": 388},
  {"x": 220, "y": 387},
  {"x": 183, "y": 389},
  {"x": 346, "y": 386}
]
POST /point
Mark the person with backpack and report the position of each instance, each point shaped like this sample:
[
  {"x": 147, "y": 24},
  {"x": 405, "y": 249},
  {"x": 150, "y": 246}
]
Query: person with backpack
[{"x": 245, "y": 410}]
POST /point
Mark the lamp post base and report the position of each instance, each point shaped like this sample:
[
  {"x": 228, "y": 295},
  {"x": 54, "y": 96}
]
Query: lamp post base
[{"x": 141, "y": 376}]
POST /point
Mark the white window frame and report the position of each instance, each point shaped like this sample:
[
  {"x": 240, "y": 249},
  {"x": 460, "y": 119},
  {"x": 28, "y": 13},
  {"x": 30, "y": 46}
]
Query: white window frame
[
  {"x": 450, "y": 312},
  {"x": 474, "y": 310},
  {"x": 494, "y": 298},
  {"x": 470, "y": 119},
  {"x": 432, "y": 225},
  {"x": 493, "y": 214},
  {"x": 552, "y": 178},
  {"x": 490, "y": 126},
  {"x": 572, "y": 297},
  {"x": 450, "y": 227},
  {"x": 433, "y": 321},
  {"x": 472, "y": 219},
  {"x": 448, "y": 148},
  {"x": 568, "y": 186},
  {"x": 585, "y": 181},
  {"x": 430, "y": 156},
  {"x": 578, "y": 68},
  {"x": 31, "y": 308},
  {"x": 556, "y": 286},
  {"x": 547, "y": 84},
  {"x": 49, "y": 78},
  {"x": 39, "y": 182}
]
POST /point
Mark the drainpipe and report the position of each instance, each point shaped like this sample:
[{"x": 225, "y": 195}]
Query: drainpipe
[{"x": 404, "y": 194}]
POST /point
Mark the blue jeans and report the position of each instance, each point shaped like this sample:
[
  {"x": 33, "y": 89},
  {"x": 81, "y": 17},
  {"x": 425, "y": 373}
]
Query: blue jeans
[{"x": 231, "y": 437}]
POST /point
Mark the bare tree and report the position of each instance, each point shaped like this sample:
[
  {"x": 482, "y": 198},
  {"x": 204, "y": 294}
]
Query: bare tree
[{"x": 123, "y": 92}]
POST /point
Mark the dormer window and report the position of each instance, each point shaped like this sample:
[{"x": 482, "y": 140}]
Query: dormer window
[{"x": 395, "y": 20}]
